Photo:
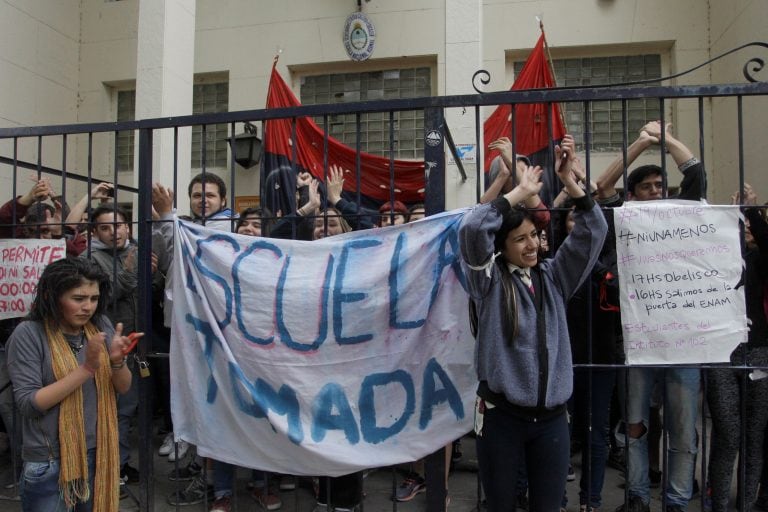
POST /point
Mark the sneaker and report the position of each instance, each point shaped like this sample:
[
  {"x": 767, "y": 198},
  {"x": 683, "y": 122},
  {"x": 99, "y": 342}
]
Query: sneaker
[
  {"x": 322, "y": 507},
  {"x": 635, "y": 504},
  {"x": 181, "y": 450},
  {"x": 571, "y": 474},
  {"x": 196, "y": 492},
  {"x": 129, "y": 474},
  {"x": 267, "y": 498},
  {"x": 585, "y": 508},
  {"x": 411, "y": 486},
  {"x": 123, "y": 492},
  {"x": 221, "y": 505},
  {"x": 167, "y": 447},
  {"x": 185, "y": 473},
  {"x": 287, "y": 482}
]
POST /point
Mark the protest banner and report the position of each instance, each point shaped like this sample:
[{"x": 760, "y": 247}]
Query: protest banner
[
  {"x": 22, "y": 262},
  {"x": 324, "y": 357},
  {"x": 679, "y": 266}
]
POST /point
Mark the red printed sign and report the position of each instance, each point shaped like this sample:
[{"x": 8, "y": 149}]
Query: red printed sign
[{"x": 21, "y": 264}]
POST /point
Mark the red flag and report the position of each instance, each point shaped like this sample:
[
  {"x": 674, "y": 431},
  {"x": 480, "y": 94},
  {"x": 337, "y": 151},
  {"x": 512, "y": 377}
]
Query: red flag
[
  {"x": 530, "y": 119},
  {"x": 374, "y": 179}
]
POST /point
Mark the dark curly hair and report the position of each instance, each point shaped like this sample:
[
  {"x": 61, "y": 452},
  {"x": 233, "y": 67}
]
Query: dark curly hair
[{"x": 57, "y": 279}]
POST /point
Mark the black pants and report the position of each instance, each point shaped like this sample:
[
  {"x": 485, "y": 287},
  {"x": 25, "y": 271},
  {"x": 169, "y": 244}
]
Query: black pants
[{"x": 506, "y": 442}]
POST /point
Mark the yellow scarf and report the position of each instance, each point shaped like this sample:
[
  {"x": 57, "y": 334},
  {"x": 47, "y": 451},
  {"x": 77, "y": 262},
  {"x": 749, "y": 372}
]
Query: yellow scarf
[{"x": 73, "y": 477}]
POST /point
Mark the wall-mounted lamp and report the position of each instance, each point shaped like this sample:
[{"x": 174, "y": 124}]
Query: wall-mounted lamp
[{"x": 246, "y": 147}]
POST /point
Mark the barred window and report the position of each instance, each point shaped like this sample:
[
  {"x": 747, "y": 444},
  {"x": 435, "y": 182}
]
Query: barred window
[
  {"x": 209, "y": 98},
  {"x": 374, "y": 127},
  {"x": 126, "y": 109},
  {"x": 605, "y": 116}
]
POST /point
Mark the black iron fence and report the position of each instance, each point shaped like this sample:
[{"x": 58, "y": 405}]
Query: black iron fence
[{"x": 86, "y": 141}]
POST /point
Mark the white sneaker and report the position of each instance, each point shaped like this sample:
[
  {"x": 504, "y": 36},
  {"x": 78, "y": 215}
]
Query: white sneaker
[
  {"x": 183, "y": 446},
  {"x": 167, "y": 447}
]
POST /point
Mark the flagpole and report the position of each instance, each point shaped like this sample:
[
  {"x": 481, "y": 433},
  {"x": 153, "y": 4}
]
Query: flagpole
[{"x": 552, "y": 70}]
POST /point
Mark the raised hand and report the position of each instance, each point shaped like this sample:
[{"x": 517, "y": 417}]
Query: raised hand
[
  {"x": 40, "y": 191},
  {"x": 120, "y": 344},
  {"x": 565, "y": 153},
  {"x": 750, "y": 198},
  {"x": 93, "y": 350},
  {"x": 504, "y": 146},
  {"x": 314, "y": 197},
  {"x": 335, "y": 184},
  {"x": 529, "y": 185},
  {"x": 103, "y": 191},
  {"x": 530, "y": 181},
  {"x": 303, "y": 179},
  {"x": 162, "y": 199}
]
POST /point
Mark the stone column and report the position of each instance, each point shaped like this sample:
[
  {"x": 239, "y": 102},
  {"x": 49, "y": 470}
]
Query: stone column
[
  {"x": 463, "y": 56},
  {"x": 164, "y": 79}
]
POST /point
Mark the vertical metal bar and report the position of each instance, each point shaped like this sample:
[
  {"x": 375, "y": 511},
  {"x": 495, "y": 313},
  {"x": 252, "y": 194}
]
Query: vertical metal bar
[
  {"x": 624, "y": 372},
  {"x": 663, "y": 145},
  {"x": 392, "y": 167},
  {"x": 39, "y": 156},
  {"x": 324, "y": 203},
  {"x": 175, "y": 470},
  {"x": 175, "y": 165},
  {"x": 89, "y": 180},
  {"x": 15, "y": 184},
  {"x": 146, "y": 468},
  {"x": 434, "y": 163},
  {"x": 700, "y": 103},
  {"x": 232, "y": 187},
  {"x": 204, "y": 168},
  {"x": 742, "y": 505},
  {"x": 435, "y": 469},
  {"x": 294, "y": 173},
  {"x": 358, "y": 158},
  {"x": 513, "y": 114},
  {"x": 704, "y": 371},
  {"x": 624, "y": 143},
  {"x": 63, "y": 182},
  {"x": 480, "y": 158},
  {"x": 587, "y": 444},
  {"x": 434, "y": 202}
]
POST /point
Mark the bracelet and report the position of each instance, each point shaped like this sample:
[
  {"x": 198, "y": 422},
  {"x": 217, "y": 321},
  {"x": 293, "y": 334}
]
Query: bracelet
[
  {"x": 117, "y": 366},
  {"x": 88, "y": 369}
]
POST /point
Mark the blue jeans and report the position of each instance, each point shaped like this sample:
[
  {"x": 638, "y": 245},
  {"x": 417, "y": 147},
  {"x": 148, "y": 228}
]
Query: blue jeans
[
  {"x": 681, "y": 404},
  {"x": 224, "y": 477},
  {"x": 39, "y": 487},
  {"x": 506, "y": 443},
  {"x": 592, "y": 430}
]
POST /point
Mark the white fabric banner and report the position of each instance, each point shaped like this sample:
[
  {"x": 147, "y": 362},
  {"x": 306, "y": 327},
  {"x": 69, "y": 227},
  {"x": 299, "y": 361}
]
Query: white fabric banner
[
  {"x": 324, "y": 357},
  {"x": 679, "y": 266},
  {"x": 22, "y": 262}
]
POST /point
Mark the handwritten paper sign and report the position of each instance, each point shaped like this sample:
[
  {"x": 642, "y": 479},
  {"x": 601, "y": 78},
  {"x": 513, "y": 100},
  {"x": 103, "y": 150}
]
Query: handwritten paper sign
[
  {"x": 324, "y": 357},
  {"x": 21, "y": 264},
  {"x": 679, "y": 265}
]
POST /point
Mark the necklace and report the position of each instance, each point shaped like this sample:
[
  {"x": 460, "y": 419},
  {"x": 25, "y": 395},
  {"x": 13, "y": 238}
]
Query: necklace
[{"x": 77, "y": 347}]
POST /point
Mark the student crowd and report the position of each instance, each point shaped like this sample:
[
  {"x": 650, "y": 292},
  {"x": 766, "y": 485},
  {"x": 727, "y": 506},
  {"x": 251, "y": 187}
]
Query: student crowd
[{"x": 544, "y": 296}]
